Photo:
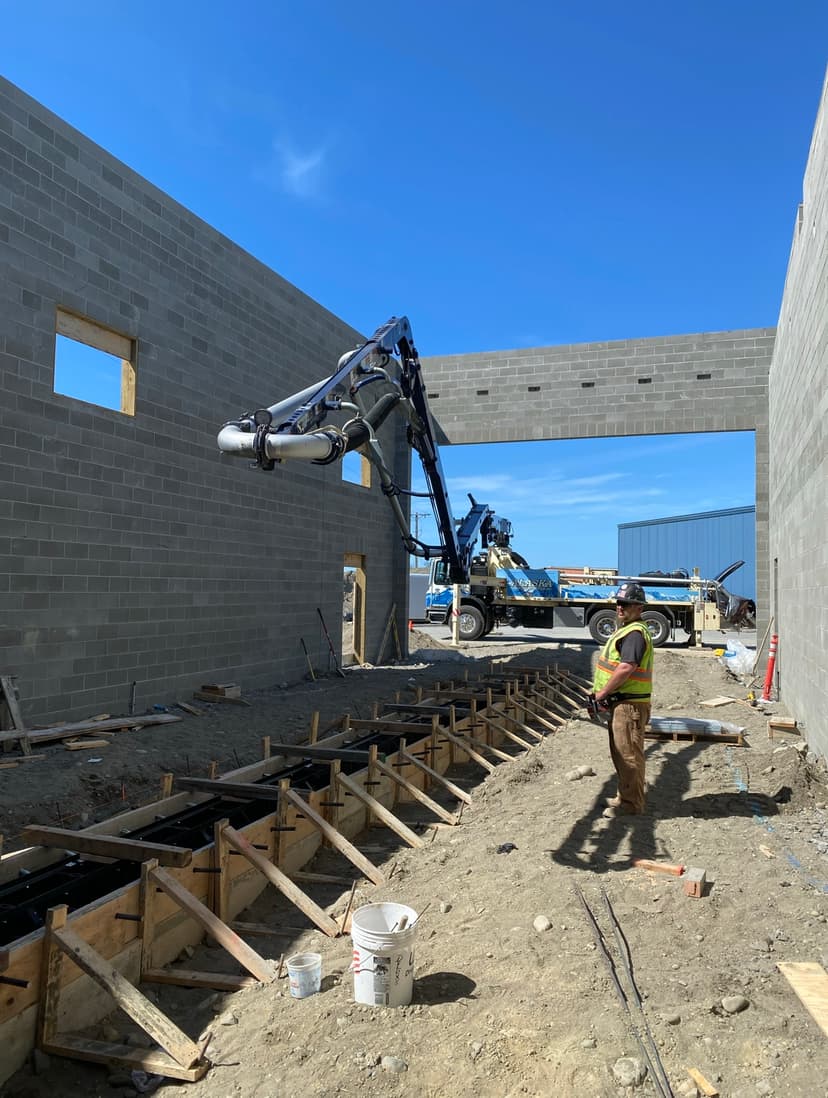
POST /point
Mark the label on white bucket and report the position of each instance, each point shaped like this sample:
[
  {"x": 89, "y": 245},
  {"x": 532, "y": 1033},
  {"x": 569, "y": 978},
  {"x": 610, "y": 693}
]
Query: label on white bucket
[{"x": 383, "y": 959}]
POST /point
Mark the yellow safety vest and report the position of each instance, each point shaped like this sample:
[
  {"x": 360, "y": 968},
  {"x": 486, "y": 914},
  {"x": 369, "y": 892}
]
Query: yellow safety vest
[{"x": 639, "y": 685}]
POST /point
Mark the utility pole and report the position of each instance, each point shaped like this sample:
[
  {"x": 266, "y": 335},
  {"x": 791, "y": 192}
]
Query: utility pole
[{"x": 417, "y": 515}]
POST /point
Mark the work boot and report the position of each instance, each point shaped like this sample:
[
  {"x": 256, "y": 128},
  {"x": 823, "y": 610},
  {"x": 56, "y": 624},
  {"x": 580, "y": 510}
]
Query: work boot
[{"x": 614, "y": 811}]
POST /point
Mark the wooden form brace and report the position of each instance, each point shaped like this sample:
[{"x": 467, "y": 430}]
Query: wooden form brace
[
  {"x": 417, "y": 794},
  {"x": 280, "y": 880},
  {"x": 380, "y": 811},
  {"x": 154, "y": 877},
  {"x": 181, "y": 1058},
  {"x": 336, "y": 840},
  {"x": 106, "y": 846}
]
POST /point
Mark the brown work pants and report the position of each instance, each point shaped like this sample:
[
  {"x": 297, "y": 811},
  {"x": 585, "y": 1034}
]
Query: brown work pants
[{"x": 627, "y": 722}]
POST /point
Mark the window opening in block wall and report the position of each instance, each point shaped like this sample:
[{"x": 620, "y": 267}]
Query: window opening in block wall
[
  {"x": 94, "y": 364},
  {"x": 356, "y": 469}
]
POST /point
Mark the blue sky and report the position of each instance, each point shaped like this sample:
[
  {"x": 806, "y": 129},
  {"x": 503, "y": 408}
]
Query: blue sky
[{"x": 505, "y": 175}]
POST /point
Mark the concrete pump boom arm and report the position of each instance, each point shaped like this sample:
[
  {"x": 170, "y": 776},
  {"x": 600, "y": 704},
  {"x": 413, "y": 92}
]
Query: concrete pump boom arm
[{"x": 294, "y": 429}]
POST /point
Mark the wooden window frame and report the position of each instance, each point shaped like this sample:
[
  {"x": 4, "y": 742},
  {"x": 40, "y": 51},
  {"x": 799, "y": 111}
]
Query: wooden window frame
[{"x": 83, "y": 330}]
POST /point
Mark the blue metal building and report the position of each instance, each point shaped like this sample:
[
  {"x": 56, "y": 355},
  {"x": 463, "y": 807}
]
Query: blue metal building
[{"x": 709, "y": 541}]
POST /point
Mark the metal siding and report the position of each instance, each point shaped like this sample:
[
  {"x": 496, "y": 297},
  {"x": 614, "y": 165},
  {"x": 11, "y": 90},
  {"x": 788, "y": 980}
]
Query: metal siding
[{"x": 709, "y": 542}]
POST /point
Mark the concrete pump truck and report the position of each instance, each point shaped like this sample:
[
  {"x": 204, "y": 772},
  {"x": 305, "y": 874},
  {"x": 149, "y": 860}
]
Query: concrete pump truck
[{"x": 384, "y": 376}]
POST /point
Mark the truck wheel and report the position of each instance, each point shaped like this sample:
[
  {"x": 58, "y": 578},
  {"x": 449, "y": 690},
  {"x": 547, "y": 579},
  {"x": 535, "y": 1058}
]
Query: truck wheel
[
  {"x": 472, "y": 623},
  {"x": 602, "y": 625},
  {"x": 658, "y": 624}
]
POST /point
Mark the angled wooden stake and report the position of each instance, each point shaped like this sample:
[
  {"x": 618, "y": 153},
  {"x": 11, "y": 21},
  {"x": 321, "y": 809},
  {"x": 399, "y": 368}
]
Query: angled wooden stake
[
  {"x": 460, "y": 741},
  {"x": 248, "y": 958},
  {"x": 381, "y": 812},
  {"x": 183, "y": 1059},
  {"x": 455, "y": 790},
  {"x": 417, "y": 793},
  {"x": 337, "y": 840},
  {"x": 505, "y": 732}
]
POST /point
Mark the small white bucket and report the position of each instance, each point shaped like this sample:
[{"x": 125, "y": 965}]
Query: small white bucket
[
  {"x": 304, "y": 974},
  {"x": 383, "y": 954}
]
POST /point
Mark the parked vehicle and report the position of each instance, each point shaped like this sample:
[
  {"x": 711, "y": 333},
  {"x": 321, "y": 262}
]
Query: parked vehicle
[{"x": 504, "y": 590}]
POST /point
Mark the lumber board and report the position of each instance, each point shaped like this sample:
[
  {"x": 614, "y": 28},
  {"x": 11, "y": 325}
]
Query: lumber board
[
  {"x": 336, "y": 839},
  {"x": 530, "y": 709},
  {"x": 735, "y": 738},
  {"x": 7, "y": 688},
  {"x": 539, "y": 737},
  {"x": 245, "y": 790},
  {"x": 106, "y": 846},
  {"x": 184, "y": 1051},
  {"x": 209, "y": 696},
  {"x": 704, "y": 1085},
  {"x": 483, "y": 746},
  {"x": 115, "y": 1055},
  {"x": 235, "y": 946},
  {"x": 285, "y": 885},
  {"x": 321, "y": 878},
  {"x": 417, "y": 793},
  {"x": 9, "y": 703},
  {"x": 193, "y": 710},
  {"x": 509, "y": 735},
  {"x": 391, "y": 727},
  {"x": 380, "y": 811},
  {"x": 809, "y": 981},
  {"x": 416, "y": 707},
  {"x": 460, "y": 741},
  {"x": 86, "y": 745},
  {"x": 455, "y": 790},
  {"x": 184, "y": 977},
  {"x": 306, "y": 751},
  {"x": 66, "y": 731}
]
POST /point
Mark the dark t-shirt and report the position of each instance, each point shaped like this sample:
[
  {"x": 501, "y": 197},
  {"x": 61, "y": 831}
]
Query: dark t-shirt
[{"x": 632, "y": 648}]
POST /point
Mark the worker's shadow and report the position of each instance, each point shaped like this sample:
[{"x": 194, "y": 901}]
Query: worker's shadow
[
  {"x": 443, "y": 987},
  {"x": 605, "y": 846}
]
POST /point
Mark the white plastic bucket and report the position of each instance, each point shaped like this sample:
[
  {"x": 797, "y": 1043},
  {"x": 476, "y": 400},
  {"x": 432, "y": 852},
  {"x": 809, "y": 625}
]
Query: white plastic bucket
[
  {"x": 383, "y": 963},
  {"x": 304, "y": 974}
]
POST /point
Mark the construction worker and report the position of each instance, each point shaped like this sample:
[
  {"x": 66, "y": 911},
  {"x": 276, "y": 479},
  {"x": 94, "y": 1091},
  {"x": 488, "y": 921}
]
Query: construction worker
[{"x": 623, "y": 684}]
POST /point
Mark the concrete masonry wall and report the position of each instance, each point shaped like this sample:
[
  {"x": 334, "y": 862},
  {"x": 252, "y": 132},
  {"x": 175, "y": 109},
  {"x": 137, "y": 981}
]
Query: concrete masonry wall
[
  {"x": 798, "y": 393},
  {"x": 129, "y": 548},
  {"x": 712, "y": 381}
]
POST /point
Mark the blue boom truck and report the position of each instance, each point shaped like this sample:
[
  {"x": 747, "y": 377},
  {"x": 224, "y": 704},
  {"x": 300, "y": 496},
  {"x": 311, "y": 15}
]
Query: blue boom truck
[
  {"x": 504, "y": 590},
  {"x": 342, "y": 413}
]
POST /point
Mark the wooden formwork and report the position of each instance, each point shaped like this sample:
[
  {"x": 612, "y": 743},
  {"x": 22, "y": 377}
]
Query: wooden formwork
[{"x": 130, "y": 935}]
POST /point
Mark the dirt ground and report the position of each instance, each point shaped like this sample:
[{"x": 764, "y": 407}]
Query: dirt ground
[{"x": 501, "y": 1007}]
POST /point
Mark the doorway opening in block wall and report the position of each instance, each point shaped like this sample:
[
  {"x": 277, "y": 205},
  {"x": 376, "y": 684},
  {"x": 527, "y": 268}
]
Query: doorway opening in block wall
[
  {"x": 353, "y": 609},
  {"x": 93, "y": 363}
]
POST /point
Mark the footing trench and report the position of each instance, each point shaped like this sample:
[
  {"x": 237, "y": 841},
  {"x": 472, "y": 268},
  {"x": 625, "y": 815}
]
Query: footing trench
[{"x": 87, "y": 916}]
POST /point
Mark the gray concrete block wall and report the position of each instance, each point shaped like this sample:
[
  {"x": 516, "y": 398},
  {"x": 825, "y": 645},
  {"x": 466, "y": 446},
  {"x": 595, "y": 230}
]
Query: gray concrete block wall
[
  {"x": 129, "y": 548},
  {"x": 798, "y": 390},
  {"x": 711, "y": 381}
]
